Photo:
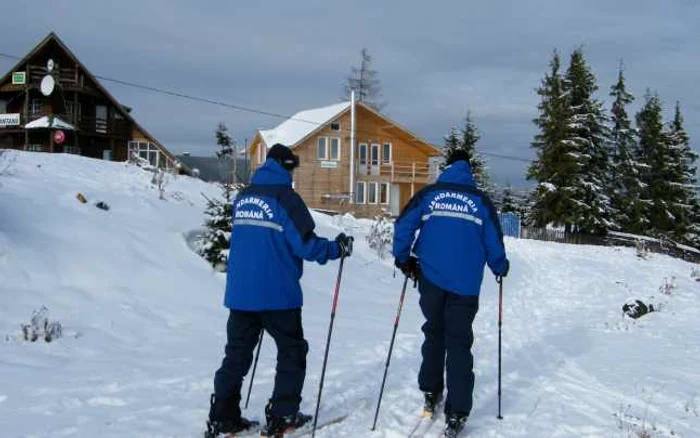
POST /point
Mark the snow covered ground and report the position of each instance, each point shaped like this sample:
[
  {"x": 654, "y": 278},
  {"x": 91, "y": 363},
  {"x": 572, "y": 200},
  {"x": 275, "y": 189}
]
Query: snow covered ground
[{"x": 144, "y": 327}]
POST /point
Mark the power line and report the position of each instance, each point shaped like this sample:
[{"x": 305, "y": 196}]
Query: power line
[{"x": 244, "y": 108}]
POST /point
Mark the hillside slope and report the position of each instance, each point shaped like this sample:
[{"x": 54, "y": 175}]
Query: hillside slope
[{"x": 144, "y": 327}]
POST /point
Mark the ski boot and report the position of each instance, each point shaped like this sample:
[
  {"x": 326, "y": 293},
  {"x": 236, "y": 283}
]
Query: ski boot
[
  {"x": 454, "y": 424},
  {"x": 276, "y": 427},
  {"x": 432, "y": 400},
  {"x": 221, "y": 421}
]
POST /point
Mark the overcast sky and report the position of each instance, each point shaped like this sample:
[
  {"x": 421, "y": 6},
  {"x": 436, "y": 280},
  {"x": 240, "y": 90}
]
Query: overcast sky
[{"x": 436, "y": 60}]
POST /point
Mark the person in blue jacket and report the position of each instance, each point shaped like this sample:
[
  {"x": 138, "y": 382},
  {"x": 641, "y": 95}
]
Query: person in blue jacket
[
  {"x": 272, "y": 233},
  {"x": 459, "y": 234}
]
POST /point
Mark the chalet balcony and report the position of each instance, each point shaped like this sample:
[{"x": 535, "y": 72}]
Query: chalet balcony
[
  {"x": 90, "y": 125},
  {"x": 401, "y": 172}
]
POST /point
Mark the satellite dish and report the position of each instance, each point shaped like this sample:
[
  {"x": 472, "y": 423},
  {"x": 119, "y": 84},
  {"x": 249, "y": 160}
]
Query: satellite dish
[
  {"x": 50, "y": 65},
  {"x": 47, "y": 85}
]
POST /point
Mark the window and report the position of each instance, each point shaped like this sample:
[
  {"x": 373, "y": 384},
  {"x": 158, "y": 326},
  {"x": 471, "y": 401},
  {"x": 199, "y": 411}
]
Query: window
[
  {"x": 375, "y": 154},
  {"x": 35, "y": 106},
  {"x": 71, "y": 150},
  {"x": 363, "y": 154},
  {"x": 322, "y": 149},
  {"x": 35, "y": 148},
  {"x": 148, "y": 151},
  {"x": 70, "y": 108},
  {"x": 335, "y": 126},
  {"x": 386, "y": 153},
  {"x": 101, "y": 119},
  {"x": 384, "y": 193},
  {"x": 372, "y": 193},
  {"x": 335, "y": 148},
  {"x": 360, "y": 192},
  {"x": 3, "y": 106}
]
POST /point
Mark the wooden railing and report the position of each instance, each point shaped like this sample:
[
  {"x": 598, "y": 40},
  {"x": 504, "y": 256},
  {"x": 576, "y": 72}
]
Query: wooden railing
[
  {"x": 92, "y": 125},
  {"x": 400, "y": 171}
]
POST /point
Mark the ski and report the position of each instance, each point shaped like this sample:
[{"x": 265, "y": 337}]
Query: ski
[
  {"x": 425, "y": 423},
  {"x": 308, "y": 429}
]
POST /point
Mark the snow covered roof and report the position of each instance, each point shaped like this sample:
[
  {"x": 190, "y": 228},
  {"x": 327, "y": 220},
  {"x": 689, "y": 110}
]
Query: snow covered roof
[
  {"x": 49, "y": 122},
  {"x": 302, "y": 124}
]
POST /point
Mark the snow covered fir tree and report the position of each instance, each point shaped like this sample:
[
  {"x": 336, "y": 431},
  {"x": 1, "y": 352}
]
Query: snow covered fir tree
[
  {"x": 668, "y": 175},
  {"x": 571, "y": 166},
  {"x": 466, "y": 140},
  {"x": 627, "y": 205},
  {"x": 214, "y": 242}
]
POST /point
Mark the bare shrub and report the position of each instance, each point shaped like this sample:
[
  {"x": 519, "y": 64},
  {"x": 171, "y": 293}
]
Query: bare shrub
[{"x": 40, "y": 327}]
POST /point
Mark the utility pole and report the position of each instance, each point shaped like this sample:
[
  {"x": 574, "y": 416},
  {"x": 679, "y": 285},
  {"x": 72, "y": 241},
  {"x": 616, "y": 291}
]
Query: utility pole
[{"x": 352, "y": 147}]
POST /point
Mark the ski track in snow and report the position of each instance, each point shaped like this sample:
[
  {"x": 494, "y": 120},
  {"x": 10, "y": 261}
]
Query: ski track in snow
[{"x": 144, "y": 327}]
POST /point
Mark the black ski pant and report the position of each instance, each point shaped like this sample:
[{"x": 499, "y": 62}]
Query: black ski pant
[
  {"x": 448, "y": 340},
  {"x": 243, "y": 331}
]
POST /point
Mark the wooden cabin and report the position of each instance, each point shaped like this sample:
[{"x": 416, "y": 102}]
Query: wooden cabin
[
  {"x": 50, "y": 102},
  {"x": 391, "y": 163}
]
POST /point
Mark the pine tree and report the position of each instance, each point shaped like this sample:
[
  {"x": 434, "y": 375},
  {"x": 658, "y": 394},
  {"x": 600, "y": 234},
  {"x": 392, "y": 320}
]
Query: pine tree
[
  {"x": 589, "y": 138},
  {"x": 625, "y": 169},
  {"x": 224, "y": 141},
  {"x": 684, "y": 201},
  {"x": 364, "y": 80},
  {"x": 215, "y": 242},
  {"x": 466, "y": 140},
  {"x": 508, "y": 204},
  {"x": 226, "y": 154},
  {"x": 555, "y": 167},
  {"x": 658, "y": 168}
]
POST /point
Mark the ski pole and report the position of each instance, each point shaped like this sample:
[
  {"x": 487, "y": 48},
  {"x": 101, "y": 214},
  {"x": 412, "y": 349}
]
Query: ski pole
[
  {"x": 255, "y": 365},
  {"x": 328, "y": 343},
  {"x": 500, "y": 324},
  {"x": 391, "y": 348}
]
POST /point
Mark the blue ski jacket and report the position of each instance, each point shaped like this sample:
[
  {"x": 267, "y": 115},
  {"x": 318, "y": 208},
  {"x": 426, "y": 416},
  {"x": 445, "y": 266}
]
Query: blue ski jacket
[
  {"x": 459, "y": 232},
  {"x": 272, "y": 233}
]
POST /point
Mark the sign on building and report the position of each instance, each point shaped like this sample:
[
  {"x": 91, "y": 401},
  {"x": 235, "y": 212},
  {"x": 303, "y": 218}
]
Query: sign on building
[
  {"x": 329, "y": 164},
  {"x": 19, "y": 78},
  {"x": 9, "y": 120}
]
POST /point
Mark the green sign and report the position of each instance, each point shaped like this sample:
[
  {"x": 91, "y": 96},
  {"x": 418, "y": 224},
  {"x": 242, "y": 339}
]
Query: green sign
[{"x": 19, "y": 78}]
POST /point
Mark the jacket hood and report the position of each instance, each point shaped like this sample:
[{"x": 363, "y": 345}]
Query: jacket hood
[
  {"x": 272, "y": 173},
  {"x": 458, "y": 173}
]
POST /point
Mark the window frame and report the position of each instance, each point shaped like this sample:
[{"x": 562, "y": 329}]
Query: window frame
[
  {"x": 325, "y": 149},
  {"x": 148, "y": 151},
  {"x": 362, "y": 191},
  {"x": 390, "y": 159},
  {"x": 375, "y": 147},
  {"x": 329, "y": 142},
  {"x": 32, "y": 106},
  {"x": 387, "y": 187},
  {"x": 360, "y": 160},
  {"x": 374, "y": 184}
]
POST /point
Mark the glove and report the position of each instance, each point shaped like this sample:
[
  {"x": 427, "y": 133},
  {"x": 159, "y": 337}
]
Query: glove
[
  {"x": 409, "y": 268},
  {"x": 345, "y": 244},
  {"x": 504, "y": 273}
]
